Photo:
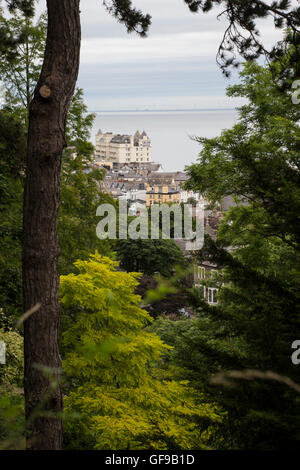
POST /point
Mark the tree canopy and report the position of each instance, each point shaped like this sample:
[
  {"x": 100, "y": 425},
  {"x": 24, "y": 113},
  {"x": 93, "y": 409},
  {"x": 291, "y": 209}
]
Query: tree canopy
[
  {"x": 257, "y": 255},
  {"x": 122, "y": 397}
]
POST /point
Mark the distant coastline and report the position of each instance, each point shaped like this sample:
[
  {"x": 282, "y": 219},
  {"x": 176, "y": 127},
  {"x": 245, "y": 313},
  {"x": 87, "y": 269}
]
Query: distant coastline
[
  {"x": 185, "y": 110},
  {"x": 170, "y": 131}
]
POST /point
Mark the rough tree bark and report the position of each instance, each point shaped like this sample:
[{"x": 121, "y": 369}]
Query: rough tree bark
[{"x": 46, "y": 141}]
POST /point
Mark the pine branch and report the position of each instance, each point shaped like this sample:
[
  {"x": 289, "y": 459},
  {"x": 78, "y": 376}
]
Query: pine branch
[{"x": 133, "y": 19}]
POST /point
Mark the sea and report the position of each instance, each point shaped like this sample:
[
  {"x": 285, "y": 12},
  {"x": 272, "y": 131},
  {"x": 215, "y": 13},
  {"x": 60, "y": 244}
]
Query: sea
[{"x": 172, "y": 132}]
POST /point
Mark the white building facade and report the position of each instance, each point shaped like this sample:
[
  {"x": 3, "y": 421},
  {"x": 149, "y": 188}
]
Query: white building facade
[{"x": 122, "y": 148}]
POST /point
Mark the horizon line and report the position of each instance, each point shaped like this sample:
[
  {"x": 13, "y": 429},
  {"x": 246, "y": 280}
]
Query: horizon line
[{"x": 159, "y": 110}]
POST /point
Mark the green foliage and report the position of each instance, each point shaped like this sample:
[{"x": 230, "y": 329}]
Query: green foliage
[
  {"x": 150, "y": 256},
  {"x": 12, "y": 157},
  {"x": 21, "y": 72},
  {"x": 25, "y": 6},
  {"x": 11, "y": 373},
  {"x": 12, "y": 146},
  {"x": 9, "y": 42},
  {"x": 12, "y": 421},
  {"x": 80, "y": 196},
  {"x": 257, "y": 161},
  {"x": 79, "y": 125},
  {"x": 160, "y": 416},
  {"x": 12, "y": 416},
  {"x": 80, "y": 190},
  {"x": 117, "y": 392}
]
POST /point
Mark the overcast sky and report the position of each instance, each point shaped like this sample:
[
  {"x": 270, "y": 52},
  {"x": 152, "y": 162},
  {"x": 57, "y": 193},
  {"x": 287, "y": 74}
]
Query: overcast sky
[{"x": 174, "y": 67}]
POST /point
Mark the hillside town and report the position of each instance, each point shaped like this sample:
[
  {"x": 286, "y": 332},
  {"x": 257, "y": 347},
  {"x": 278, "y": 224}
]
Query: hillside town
[{"x": 131, "y": 175}]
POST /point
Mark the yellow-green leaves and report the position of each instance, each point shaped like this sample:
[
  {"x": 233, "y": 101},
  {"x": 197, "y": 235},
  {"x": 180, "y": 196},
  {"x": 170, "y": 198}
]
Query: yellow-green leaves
[{"x": 118, "y": 401}]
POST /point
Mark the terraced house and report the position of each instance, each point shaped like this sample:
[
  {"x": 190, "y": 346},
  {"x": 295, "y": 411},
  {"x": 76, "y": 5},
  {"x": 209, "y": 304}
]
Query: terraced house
[{"x": 161, "y": 195}]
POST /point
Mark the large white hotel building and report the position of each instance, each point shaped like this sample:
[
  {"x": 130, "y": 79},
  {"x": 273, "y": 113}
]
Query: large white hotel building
[{"x": 117, "y": 148}]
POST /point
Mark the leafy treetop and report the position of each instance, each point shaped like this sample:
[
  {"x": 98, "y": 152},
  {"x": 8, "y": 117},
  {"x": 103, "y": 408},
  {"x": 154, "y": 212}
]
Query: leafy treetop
[{"x": 120, "y": 394}]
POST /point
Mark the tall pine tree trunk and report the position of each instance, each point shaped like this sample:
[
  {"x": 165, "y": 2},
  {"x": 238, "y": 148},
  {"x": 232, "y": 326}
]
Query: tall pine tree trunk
[{"x": 46, "y": 141}]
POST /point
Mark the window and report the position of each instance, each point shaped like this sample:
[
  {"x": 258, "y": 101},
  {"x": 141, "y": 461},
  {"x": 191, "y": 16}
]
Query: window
[
  {"x": 211, "y": 295},
  {"x": 201, "y": 272}
]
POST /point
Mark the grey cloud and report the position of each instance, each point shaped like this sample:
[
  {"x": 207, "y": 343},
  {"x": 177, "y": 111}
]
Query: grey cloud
[{"x": 178, "y": 58}]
